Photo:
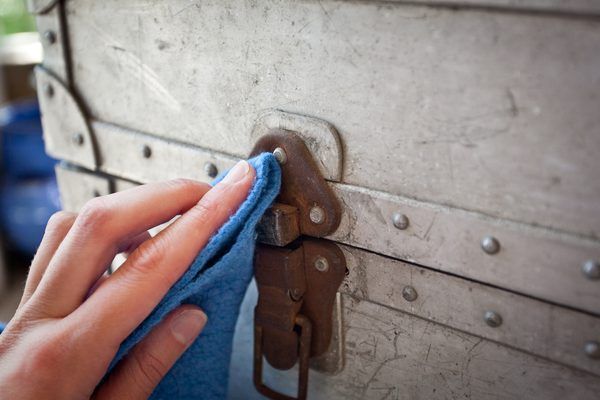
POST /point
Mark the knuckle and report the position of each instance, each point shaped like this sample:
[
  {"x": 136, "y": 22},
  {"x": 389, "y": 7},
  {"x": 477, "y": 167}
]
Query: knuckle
[
  {"x": 150, "y": 369},
  {"x": 149, "y": 257},
  {"x": 94, "y": 213},
  {"x": 59, "y": 221}
]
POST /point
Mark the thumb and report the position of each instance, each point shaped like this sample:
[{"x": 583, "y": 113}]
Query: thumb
[{"x": 136, "y": 376}]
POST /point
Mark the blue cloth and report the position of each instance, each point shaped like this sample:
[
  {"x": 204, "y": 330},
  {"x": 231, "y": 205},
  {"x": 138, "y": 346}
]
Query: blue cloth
[{"x": 216, "y": 281}]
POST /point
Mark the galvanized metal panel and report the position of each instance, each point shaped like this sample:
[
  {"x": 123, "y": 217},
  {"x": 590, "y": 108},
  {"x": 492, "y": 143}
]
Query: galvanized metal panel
[
  {"x": 66, "y": 131},
  {"x": 531, "y": 260},
  {"x": 430, "y": 103},
  {"x": 77, "y": 187},
  {"x": 533, "y": 326},
  {"x": 393, "y": 355},
  {"x": 53, "y": 37}
]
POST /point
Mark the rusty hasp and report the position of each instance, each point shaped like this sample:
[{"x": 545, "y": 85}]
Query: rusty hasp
[
  {"x": 293, "y": 318},
  {"x": 303, "y": 186}
]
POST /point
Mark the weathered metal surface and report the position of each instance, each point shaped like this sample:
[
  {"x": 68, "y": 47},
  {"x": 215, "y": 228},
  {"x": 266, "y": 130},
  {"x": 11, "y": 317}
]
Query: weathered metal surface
[
  {"x": 290, "y": 284},
  {"x": 530, "y": 260},
  {"x": 454, "y": 94},
  {"x": 53, "y": 38},
  {"x": 393, "y": 355},
  {"x": 302, "y": 184},
  {"x": 533, "y": 326},
  {"x": 40, "y": 6},
  {"x": 321, "y": 138},
  {"x": 122, "y": 153},
  {"x": 581, "y": 7},
  {"x": 66, "y": 131},
  {"x": 78, "y": 187}
]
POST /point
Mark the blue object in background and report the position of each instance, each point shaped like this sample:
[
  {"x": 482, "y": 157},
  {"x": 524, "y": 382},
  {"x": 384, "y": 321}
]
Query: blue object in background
[{"x": 28, "y": 190}]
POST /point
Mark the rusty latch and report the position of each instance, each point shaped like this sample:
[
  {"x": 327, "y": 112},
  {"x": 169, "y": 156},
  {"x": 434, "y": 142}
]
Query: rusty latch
[{"x": 297, "y": 274}]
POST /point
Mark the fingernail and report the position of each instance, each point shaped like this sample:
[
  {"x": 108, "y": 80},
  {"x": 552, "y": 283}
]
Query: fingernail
[
  {"x": 187, "y": 325},
  {"x": 237, "y": 173}
]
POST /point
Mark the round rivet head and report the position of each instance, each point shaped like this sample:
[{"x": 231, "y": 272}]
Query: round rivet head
[
  {"x": 317, "y": 215},
  {"x": 409, "y": 293},
  {"x": 77, "y": 139},
  {"x": 280, "y": 155},
  {"x": 211, "y": 170},
  {"x": 50, "y": 37},
  {"x": 490, "y": 245},
  {"x": 591, "y": 269},
  {"x": 295, "y": 294},
  {"x": 146, "y": 151},
  {"x": 592, "y": 349},
  {"x": 492, "y": 318},
  {"x": 321, "y": 264},
  {"x": 400, "y": 221},
  {"x": 48, "y": 89}
]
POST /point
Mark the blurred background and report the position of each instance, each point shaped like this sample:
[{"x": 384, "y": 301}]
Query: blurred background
[{"x": 28, "y": 192}]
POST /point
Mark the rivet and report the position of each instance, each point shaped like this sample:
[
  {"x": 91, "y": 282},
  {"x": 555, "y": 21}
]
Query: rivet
[
  {"x": 48, "y": 89},
  {"x": 295, "y": 294},
  {"x": 146, "y": 151},
  {"x": 400, "y": 221},
  {"x": 50, "y": 37},
  {"x": 591, "y": 269},
  {"x": 211, "y": 169},
  {"x": 77, "y": 139},
  {"x": 321, "y": 264},
  {"x": 490, "y": 245},
  {"x": 592, "y": 349},
  {"x": 316, "y": 215},
  {"x": 409, "y": 293},
  {"x": 492, "y": 318},
  {"x": 280, "y": 155}
]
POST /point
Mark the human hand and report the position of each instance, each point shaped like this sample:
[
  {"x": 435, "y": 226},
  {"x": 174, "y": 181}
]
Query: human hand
[{"x": 73, "y": 318}]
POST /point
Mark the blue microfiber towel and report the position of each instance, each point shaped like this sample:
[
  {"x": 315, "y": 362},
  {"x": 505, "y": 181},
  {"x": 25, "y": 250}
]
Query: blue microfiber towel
[{"x": 216, "y": 281}]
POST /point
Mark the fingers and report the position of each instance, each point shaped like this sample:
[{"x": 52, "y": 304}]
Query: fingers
[
  {"x": 57, "y": 228},
  {"x": 100, "y": 231},
  {"x": 143, "y": 368},
  {"x": 144, "y": 279}
]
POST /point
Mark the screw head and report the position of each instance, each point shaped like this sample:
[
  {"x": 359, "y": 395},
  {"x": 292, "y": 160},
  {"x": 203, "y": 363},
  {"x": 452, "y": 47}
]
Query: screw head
[
  {"x": 409, "y": 293},
  {"x": 211, "y": 169},
  {"x": 317, "y": 215},
  {"x": 295, "y": 294},
  {"x": 492, "y": 318},
  {"x": 77, "y": 139},
  {"x": 321, "y": 264},
  {"x": 591, "y": 269},
  {"x": 592, "y": 349},
  {"x": 400, "y": 221},
  {"x": 48, "y": 89},
  {"x": 146, "y": 151},
  {"x": 280, "y": 155},
  {"x": 490, "y": 245},
  {"x": 50, "y": 37}
]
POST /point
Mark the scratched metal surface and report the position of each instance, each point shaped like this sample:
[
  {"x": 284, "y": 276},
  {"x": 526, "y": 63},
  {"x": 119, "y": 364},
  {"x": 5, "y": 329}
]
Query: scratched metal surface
[
  {"x": 488, "y": 111},
  {"x": 393, "y": 355}
]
